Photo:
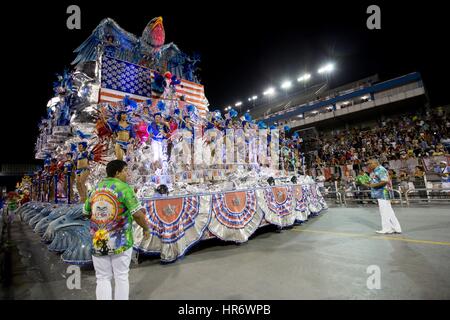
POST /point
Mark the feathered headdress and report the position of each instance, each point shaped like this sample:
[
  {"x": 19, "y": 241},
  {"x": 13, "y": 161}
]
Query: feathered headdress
[{"x": 262, "y": 125}]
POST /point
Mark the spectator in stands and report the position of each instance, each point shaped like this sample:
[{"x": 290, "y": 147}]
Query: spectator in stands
[
  {"x": 404, "y": 179},
  {"x": 392, "y": 174},
  {"x": 419, "y": 173},
  {"x": 362, "y": 179},
  {"x": 348, "y": 185},
  {"x": 320, "y": 179},
  {"x": 445, "y": 174},
  {"x": 439, "y": 150},
  {"x": 413, "y": 135}
]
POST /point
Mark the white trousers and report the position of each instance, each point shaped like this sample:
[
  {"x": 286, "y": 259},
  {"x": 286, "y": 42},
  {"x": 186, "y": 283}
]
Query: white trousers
[
  {"x": 157, "y": 149},
  {"x": 388, "y": 219},
  {"x": 108, "y": 266}
]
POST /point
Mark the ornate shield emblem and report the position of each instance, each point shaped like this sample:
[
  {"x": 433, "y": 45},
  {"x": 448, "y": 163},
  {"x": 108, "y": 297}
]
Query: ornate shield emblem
[
  {"x": 105, "y": 208},
  {"x": 169, "y": 210}
]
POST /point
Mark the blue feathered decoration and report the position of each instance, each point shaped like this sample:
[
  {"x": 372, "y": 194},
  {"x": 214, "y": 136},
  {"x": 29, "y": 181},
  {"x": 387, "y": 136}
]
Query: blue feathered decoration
[
  {"x": 73, "y": 147},
  {"x": 47, "y": 160},
  {"x": 247, "y": 117},
  {"x": 176, "y": 111},
  {"x": 286, "y": 128},
  {"x": 128, "y": 102},
  {"x": 175, "y": 81},
  {"x": 233, "y": 113},
  {"x": 161, "y": 106},
  {"x": 217, "y": 115},
  {"x": 83, "y": 135},
  {"x": 295, "y": 135},
  {"x": 84, "y": 144},
  {"x": 262, "y": 125},
  {"x": 209, "y": 126},
  {"x": 148, "y": 102},
  {"x": 190, "y": 108},
  {"x": 273, "y": 127}
]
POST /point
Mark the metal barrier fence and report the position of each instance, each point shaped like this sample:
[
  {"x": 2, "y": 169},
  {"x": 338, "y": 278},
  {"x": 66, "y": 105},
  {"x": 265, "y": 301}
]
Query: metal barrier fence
[
  {"x": 358, "y": 193},
  {"x": 432, "y": 194},
  {"x": 327, "y": 195},
  {"x": 426, "y": 195},
  {"x": 417, "y": 189}
]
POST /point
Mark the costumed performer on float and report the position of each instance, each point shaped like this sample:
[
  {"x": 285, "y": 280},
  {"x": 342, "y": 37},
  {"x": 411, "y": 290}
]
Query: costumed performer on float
[
  {"x": 124, "y": 134},
  {"x": 82, "y": 169},
  {"x": 158, "y": 131},
  {"x": 69, "y": 175},
  {"x": 187, "y": 142},
  {"x": 53, "y": 179},
  {"x": 45, "y": 178}
]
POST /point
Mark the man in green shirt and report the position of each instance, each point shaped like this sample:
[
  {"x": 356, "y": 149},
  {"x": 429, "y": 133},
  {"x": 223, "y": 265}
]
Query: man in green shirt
[
  {"x": 361, "y": 180},
  {"x": 12, "y": 205},
  {"x": 112, "y": 206}
]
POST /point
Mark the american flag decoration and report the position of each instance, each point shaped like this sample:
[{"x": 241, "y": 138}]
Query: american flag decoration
[{"x": 120, "y": 78}]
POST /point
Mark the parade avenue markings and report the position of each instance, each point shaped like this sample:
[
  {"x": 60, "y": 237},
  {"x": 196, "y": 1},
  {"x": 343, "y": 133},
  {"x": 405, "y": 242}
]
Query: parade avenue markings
[{"x": 362, "y": 235}]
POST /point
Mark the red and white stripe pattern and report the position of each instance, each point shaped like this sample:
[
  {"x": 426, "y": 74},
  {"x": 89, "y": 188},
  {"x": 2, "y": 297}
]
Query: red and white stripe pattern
[{"x": 194, "y": 94}]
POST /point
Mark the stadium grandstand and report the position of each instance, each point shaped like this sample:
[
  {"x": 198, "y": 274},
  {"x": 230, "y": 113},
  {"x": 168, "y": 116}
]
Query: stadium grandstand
[{"x": 342, "y": 128}]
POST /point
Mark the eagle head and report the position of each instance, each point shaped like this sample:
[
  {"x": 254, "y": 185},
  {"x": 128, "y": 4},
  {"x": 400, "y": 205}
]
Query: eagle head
[{"x": 154, "y": 33}]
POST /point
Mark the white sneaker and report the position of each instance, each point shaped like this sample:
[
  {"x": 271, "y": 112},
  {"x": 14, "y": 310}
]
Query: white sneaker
[{"x": 385, "y": 231}]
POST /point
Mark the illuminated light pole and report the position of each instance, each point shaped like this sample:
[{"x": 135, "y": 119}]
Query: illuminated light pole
[
  {"x": 326, "y": 70},
  {"x": 304, "y": 78},
  {"x": 286, "y": 85},
  {"x": 269, "y": 93}
]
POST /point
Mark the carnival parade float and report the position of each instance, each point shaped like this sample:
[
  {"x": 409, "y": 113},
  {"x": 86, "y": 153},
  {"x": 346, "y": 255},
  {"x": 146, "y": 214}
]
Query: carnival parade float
[{"x": 200, "y": 174}]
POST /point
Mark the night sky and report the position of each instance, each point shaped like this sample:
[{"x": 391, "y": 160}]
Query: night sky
[{"x": 244, "y": 49}]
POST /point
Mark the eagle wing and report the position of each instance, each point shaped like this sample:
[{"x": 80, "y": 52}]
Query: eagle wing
[{"x": 123, "y": 40}]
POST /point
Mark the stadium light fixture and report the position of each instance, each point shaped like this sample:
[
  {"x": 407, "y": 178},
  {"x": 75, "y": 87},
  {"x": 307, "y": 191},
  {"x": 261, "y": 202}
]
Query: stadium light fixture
[
  {"x": 254, "y": 97},
  {"x": 238, "y": 104},
  {"x": 248, "y": 110},
  {"x": 326, "y": 68},
  {"x": 286, "y": 84},
  {"x": 304, "y": 77},
  {"x": 269, "y": 92}
]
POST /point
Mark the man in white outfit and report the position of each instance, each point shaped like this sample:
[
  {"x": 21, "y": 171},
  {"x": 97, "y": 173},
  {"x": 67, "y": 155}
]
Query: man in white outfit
[
  {"x": 112, "y": 207},
  {"x": 379, "y": 184}
]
